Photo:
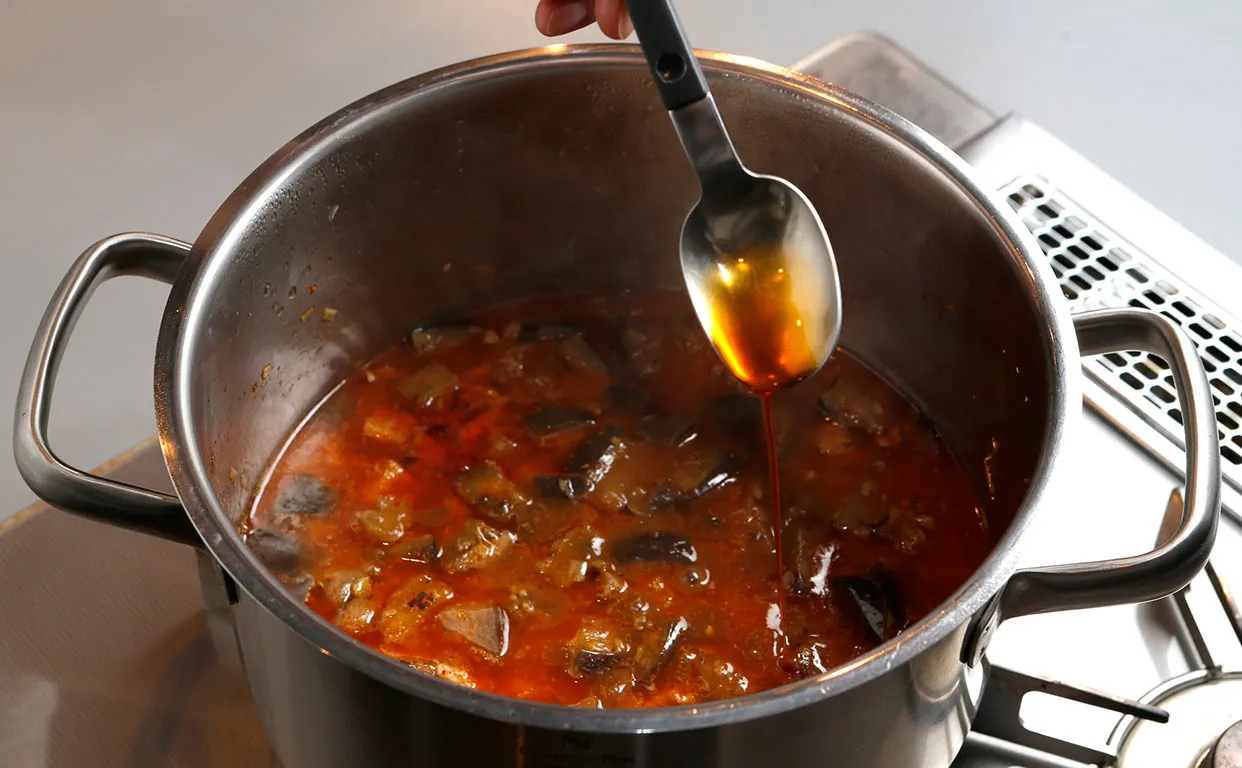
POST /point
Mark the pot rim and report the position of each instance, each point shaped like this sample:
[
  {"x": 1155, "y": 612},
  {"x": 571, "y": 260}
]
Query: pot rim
[{"x": 191, "y": 296}]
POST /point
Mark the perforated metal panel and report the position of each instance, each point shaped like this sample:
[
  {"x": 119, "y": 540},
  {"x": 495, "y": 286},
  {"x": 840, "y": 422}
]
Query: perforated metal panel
[{"x": 1097, "y": 269}]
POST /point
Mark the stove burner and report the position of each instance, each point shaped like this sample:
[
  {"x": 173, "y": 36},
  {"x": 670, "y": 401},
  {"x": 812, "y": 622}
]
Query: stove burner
[
  {"x": 1205, "y": 706},
  {"x": 1228, "y": 750},
  {"x": 1202, "y": 706}
]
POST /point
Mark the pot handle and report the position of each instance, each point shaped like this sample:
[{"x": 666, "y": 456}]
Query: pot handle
[
  {"x": 1172, "y": 565},
  {"x": 54, "y": 481}
]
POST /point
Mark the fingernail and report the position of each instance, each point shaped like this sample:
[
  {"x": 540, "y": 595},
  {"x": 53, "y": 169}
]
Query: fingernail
[
  {"x": 624, "y": 25},
  {"x": 566, "y": 18}
]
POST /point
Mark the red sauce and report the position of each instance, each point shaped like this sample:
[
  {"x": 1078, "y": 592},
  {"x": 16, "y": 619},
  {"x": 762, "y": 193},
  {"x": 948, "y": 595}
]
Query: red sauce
[{"x": 569, "y": 501}]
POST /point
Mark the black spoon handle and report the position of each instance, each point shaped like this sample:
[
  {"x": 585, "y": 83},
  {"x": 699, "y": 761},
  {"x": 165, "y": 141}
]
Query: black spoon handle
[{"x": 677, "y": 73}]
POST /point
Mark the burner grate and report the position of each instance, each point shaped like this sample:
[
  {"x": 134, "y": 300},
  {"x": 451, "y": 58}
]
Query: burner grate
[{"x": 1098, "y": 269}]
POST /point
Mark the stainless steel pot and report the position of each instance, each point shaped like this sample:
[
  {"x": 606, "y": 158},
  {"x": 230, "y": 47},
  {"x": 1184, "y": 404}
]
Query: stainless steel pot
[{"x": 556, "y": 169}]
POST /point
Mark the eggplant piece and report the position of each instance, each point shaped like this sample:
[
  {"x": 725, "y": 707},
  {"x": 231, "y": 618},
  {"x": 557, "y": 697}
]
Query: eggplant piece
[
  {"x": 655, "y": 547},
  {"x": 279, "y": 553},
  {"x": 642, "y": 348},
  {"x": 655, "y": 647},
  {"x": 305, "y": 495},
  {"x": 475, "y": 546},
  {"x": 628, "y": 398},
  {"x": 597, "y": 648},
  {"x": 875, "y": 602},
  {"x": 739, "y": 417},
  {"x": 426, "y": 386},
  {"x": 557, "y": 418},
  {"x": 594, "y": 663},
  {"x": 427, "y": 339},
  {"x": 532, "y": 332},
  {"x": 667, "y": 431},
  {"x": 484, "y": 626},
  {"x": 696, "y": 477},
  {"x": 579, "y": 355},
  {"x": 485, "y": 487},
  {"x": 562, "y": 486},
  {"x": 419, "y": 549},
  {"x": 809, "y": 659},
  {"x": 862, "y": 513},
  {"x": 548, "y": 519},
  {"x": 810, "y": 557},
  {"x": 595, "y": 455}
]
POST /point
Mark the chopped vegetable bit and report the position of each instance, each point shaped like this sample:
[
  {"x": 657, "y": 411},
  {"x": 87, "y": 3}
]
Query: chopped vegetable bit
[
  {"x": 547, "y": 520},
  {"x": 477, "y": 545},
  {"x": 486, "y": 626},
  {"x": 444, "y": 671},
  {"x": 486, "y": 487},
  {"x": 568, "y": 563},
  {"x": 597, "y": 648},
  {"x": 442, "y": 337},
  {"x": 357, "y": 616},
  {"x": 427, "y": 386},
  {"x": 383, "y": 526},
  {"x": 410, "y": 605},
  {"x": 387, "y": 428}
]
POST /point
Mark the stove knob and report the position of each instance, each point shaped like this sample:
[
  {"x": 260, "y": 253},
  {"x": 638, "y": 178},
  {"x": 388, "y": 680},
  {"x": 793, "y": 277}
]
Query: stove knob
[{"x": 1228, "y": 750}]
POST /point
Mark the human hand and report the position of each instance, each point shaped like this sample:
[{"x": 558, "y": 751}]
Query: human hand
[{"x": 559, "y": 17}]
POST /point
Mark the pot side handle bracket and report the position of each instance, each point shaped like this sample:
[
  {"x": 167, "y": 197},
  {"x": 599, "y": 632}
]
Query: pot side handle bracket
[
  {"x": 52, "y": 480},
  {"x": 1167, "y": 568}
]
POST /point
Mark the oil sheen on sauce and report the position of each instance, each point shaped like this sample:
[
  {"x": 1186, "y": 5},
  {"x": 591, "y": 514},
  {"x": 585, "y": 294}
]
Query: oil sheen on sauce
[{"x": 567, "y": 500}]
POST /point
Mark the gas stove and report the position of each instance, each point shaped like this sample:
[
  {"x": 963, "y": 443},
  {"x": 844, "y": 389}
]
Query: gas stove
[{"x": 116, "y": 652}]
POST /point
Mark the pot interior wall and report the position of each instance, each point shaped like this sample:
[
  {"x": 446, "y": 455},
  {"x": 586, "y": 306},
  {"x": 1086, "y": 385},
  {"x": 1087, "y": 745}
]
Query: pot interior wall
[{"x": 567, "y": 176}]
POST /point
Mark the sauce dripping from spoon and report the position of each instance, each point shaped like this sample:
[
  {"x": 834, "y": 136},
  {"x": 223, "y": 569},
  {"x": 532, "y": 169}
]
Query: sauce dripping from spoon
[{"x": 771, "y": 332}]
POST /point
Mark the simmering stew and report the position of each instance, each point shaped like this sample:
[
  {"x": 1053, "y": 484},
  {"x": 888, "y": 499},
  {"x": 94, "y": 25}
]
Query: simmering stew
[{"x": 568, "y": 501}]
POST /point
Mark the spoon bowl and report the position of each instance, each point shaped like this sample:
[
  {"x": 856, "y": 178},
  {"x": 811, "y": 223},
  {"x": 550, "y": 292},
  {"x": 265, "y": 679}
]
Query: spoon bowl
[
  {"x": 755, "y": 256},
  {"x": 761, "y": 273}
]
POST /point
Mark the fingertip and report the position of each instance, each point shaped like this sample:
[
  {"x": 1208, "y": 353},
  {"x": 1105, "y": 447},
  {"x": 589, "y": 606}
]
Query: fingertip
[
  {"x": 609, "y": 13},
  {"x": 543, "y": 12},
  {"x": 625, "y": 27},
  {"x": 560, "y": 17}
]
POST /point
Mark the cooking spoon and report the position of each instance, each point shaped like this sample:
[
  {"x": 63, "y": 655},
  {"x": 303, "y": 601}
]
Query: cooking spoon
[{"x": 756, "y": 258}]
